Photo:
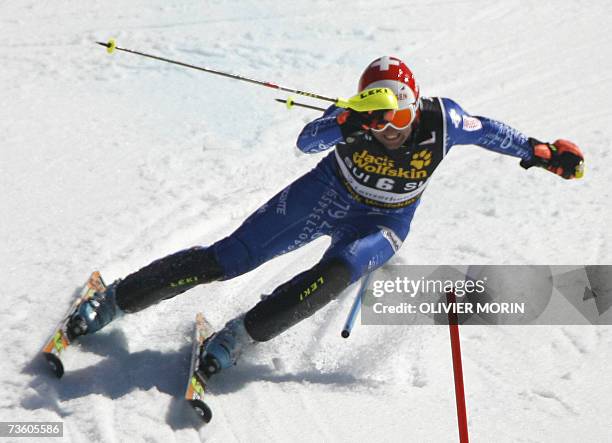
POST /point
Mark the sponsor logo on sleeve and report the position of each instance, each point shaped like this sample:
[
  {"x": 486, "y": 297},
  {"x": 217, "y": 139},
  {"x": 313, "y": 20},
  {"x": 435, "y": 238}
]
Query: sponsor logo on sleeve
[
  {"x": 391, "y": 237},
  {"x": 471, "y": 124}
]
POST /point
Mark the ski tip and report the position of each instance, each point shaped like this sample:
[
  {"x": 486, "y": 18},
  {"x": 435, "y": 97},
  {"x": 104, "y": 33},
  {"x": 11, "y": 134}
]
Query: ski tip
[
  {"x": 55, "y": 363},
  {"x": 202, "y": 410}
]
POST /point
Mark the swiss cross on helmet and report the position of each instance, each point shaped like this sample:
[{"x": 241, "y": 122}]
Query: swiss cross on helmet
[{"x": 391, "y": 72}]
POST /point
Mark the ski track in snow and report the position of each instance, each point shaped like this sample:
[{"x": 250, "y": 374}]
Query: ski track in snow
[{"x": 109, "y": 162}]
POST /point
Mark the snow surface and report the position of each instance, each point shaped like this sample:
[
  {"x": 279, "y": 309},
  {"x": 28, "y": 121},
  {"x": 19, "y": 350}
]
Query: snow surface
[{"x": 108, "y": 162}]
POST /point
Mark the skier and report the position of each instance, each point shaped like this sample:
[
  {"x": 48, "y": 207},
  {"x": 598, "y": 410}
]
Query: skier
[{"x": 363, "y": 195}]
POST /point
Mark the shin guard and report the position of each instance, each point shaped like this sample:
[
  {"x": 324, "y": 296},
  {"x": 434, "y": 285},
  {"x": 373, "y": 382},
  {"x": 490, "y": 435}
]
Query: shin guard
[
  {"x": 167, "y": 277},
  {"x": 297, "y": 299}
]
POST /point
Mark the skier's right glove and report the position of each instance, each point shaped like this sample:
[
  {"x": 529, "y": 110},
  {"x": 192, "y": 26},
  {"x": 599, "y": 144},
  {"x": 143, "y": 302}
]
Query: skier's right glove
[
  {"x": 562, "y": 157},
  {"x": 351, "y": 121}
]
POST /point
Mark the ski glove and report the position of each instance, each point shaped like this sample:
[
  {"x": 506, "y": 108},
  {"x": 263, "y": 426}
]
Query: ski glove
[
  {"x": 351, "y": 121},
  {"x": 562, "y": 157}
]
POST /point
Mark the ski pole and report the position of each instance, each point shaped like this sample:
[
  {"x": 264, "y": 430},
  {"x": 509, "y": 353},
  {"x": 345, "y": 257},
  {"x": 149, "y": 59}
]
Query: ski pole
[
  {"x": 453, "y": 325},
  {"x": 376, "y": 98},
  {"x": 112, "y": 46},
  {"x": 290, "y": 104},
  {"x": 350, "y": 321}
]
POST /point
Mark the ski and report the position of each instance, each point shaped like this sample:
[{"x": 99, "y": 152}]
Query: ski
[
  {"x": 196, "y": 384},
  {"x": 60, "y": 339}
]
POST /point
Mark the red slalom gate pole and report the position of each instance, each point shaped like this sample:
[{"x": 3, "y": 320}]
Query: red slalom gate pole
[{"x": 453, "y": 325}]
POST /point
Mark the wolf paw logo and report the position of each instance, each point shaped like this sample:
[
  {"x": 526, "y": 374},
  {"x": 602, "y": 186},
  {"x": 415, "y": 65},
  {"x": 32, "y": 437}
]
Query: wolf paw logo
[{"x": 421, "y": 159}]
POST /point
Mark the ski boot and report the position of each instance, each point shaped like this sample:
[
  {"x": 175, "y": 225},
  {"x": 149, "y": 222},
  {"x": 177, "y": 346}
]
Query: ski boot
[
  {"x": 222, "y": 349},
  {"x": 95, "y": 313}
]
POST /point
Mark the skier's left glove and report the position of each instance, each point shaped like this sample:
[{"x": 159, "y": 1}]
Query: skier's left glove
[
  {"x": 562, "y": 157},
  {"x": 351, "y": 121}
]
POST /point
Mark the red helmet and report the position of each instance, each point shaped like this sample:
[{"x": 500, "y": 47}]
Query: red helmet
[{"x": 391, "y": 72}]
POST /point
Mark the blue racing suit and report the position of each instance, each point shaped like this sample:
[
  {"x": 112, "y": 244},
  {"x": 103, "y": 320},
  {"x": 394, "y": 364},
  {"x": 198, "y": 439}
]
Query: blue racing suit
[{"x": 361, "y": 195}]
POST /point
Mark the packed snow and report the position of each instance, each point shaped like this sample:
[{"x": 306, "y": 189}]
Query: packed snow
[{"x": 111, "y": 161}]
